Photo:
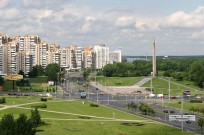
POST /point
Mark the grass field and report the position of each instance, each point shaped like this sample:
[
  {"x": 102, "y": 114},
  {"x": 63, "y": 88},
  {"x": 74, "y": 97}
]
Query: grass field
[
  {"x": 64, "y": 117},
  {"x": 116, "y": 81},
  {"x": 186, "y": 104},
  {"x": 161, "y": 86},
  {"x": 37, "y": 84}
]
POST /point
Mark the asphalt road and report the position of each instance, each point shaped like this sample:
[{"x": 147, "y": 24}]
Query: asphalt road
[{"x": 120, "y": 102}]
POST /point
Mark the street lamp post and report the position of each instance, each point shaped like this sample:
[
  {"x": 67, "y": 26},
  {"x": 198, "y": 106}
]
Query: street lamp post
[
  {"x": 97, "y": 95},
  {"x": 151, "y": 85},
  {"x": 169, "y": 90},
  {"x": 88, "y": 90}
]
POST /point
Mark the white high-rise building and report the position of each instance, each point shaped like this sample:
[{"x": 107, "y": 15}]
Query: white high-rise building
[
  {"x": 41, "y": 54},
  {"x": 24, "y": 61},
  {"x": 65, "y": 57},
  {"x": 101, "y": 56},
  {"x": 9, "y": 57},
  {"x": 115, "y": 56}
]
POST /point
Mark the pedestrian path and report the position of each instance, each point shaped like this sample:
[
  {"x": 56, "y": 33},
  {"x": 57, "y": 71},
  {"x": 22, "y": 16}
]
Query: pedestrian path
[{"x": 143, "y": 81}]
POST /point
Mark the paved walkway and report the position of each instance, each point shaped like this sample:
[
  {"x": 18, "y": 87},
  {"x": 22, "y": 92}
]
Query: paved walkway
[{"x": 143, "y": 81}]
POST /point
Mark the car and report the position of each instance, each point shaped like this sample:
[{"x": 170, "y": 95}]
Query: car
[
  {"x": 81, "y": 91},
  {"x": 102, "y": 93},
  {"x": 188, "y": 122},
  {"x": 165, "y": 111},
  {"x": 83, "y": 94},
  {"x": 172, "y": 111}
]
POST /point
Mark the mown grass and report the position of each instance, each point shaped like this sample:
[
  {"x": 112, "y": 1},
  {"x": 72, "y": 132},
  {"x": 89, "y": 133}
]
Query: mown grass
[
  {"x": 61, "y": 126},
  {"x": 162, "y": 86},
  {"x": 116, "y": 81}
]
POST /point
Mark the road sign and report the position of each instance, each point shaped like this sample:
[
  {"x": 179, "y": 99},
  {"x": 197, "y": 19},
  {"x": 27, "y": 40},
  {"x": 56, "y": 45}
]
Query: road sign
[
  {"x": 174, "y": 117},
  {"x": 180, "y": 118},
  {"x": 189, "y": 117}
]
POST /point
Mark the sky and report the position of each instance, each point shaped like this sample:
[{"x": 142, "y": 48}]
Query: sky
[{"x": 130, "y": 25}]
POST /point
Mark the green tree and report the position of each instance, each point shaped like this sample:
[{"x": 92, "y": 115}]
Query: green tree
[
  {"x": 201, "y": 123},
  {"x": 21, "y": 73},
  {"x": 52, "y": 71},
  {"x": 1, "y": 80},
  {"x": 196, "y": 72},
  {"x": 7, "y": 125},
  {"x": 24, "y": 126},
  {"x": 86, "y": 73},
  {"x": 35, "y": 118}
]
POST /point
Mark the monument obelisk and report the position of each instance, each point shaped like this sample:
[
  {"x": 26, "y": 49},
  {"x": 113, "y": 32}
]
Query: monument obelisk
[{"x": 154, "y": 72}]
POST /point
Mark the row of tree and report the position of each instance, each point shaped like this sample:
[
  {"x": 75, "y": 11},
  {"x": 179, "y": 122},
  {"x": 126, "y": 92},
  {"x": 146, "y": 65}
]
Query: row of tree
[
  {"x": 20, "y": 126},
  {"x": 144, "y": 108},
  {"x": 52, "y": 71}
]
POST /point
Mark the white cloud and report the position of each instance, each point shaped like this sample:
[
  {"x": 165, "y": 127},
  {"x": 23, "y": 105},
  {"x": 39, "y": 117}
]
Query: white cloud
[
  {"x": 189, "y": 20},
  {"x": 39, "y": 13},
  {"x": 125, "y": 21},
  {"x": 4, "y": 3},
  {"x": 10, "y": 14}
]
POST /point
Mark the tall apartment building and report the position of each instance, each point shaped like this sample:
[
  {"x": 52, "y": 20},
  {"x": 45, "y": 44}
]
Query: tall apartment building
[
  {"x": 24, "y": 61},
  {"x": 101, "y": 54},
  {"x": 79, "y": 57},
  {"x": 9, "y": 57},
  {"x": 115, "y": 56},
  {"x": 3, "y": 38},
  {"x": 53, "y": 54},
  {"x": 87, "y": 57},
  {"x": 65, "y": 57},
  {"x": 41, "y": 54}
]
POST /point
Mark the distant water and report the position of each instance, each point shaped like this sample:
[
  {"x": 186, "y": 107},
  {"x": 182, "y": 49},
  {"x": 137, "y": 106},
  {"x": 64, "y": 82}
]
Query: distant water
[{"x": 132, "y": 58}]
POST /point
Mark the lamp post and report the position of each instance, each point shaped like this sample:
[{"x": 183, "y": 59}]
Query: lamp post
[
  {"x": 96, "y": 95},
  {"x": 169, "y": 90}
]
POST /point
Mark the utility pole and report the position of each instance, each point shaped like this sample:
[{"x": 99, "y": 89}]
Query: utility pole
[
  {"x": 182, "y": 114},
  {"x": 151, "y": 85},
  {"x": 169, "y": 89}
]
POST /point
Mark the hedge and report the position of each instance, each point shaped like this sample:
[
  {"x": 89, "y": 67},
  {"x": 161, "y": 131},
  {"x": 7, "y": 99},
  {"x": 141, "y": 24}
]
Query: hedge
[
  {"x": 2, "y": 100},
  {"x": 39, "y": 106}
]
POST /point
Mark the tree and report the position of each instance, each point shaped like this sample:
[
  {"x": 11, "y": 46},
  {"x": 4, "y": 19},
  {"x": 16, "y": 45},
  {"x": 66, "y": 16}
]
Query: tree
[
  {"x": 52, "y": 71},
  {"x": 7, "y": 125},
  {"x": 21, "y": 73},
  {"x": 35, "y": 118},
  {"x": 196, "y": 72},
  {"x": 1, "y": 80},
  {"x": 24, "y": 126},
  {"x": 86, "y": 73},
  {"x": 201, "y": 123}
]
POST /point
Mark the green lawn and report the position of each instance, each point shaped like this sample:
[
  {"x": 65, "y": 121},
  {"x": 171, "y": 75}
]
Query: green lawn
[
  {"x": 186, "y": 104},
  {"x": 106, "y": 128},
  {"x": 58, "y": 123},
  {"x": 117, "y": 81},
  {"x": 161, "y": 86}
]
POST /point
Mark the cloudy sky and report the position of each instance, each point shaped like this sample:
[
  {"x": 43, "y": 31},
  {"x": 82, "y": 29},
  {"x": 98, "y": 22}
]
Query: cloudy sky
[{"x": 176, "y": 25}]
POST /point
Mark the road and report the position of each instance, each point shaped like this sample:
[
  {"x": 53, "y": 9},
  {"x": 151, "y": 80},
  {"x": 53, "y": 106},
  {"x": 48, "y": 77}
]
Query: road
[{"x": 120, "y": 102}]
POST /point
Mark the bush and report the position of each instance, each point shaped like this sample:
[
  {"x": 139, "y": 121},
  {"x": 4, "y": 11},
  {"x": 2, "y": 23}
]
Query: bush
[
  {"x": 39, "y": 106},
  {"x": 179, "y": 102},
  {"x": 2, "y": 100},
  {"x": 196, "y": 101},
  {"x": 44, "y": 99},
  {"x": 94, "y": 105}
]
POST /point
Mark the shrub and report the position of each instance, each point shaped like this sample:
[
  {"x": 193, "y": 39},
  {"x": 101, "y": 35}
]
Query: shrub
[
  {"x": 94, "y": 105},
  {"x": 39, "y": 106},
  {"x": 2, "y": 100},
  {"x": 179, "y": 102},
  {"x": 196, "y": 101},
  {"x": 44, "y": 99}
]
